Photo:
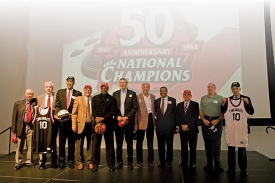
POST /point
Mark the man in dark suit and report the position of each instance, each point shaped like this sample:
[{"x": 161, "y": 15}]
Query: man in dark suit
[
  {"x": 22, "y": 117},
  {"x": 242, "y": 158},
  {"x": 187, "y": 119},
  {"x": 165, "y": 108},
  {"x": 127, "y": 106},
  {"x": 64, "y": 100},
  {"x": 48, "y": 100}
]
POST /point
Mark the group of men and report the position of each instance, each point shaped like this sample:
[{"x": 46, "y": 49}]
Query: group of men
[{"x": 130, "y": 115}]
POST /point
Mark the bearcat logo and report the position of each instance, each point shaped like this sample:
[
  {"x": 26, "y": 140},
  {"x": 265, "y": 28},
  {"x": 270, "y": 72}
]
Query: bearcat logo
[{"x": 155, "y": 45}]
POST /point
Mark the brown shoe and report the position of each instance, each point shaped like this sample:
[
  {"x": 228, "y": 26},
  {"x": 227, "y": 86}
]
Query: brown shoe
[
  {"x": 80, "y": 166},
  {"x": 90, "y": 166}
]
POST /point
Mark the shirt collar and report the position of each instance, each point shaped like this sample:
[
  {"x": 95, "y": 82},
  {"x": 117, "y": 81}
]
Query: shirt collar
[
  {"x": 125, "y": 91},
  {"x": 239, "y": 96}
]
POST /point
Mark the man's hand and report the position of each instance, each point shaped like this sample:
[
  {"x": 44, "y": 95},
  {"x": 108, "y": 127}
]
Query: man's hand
[
  {"x": 135, "y": 128},
  {"x": 246, "y": 100},
  {"x": 215, "y": 122},
  {"x": 57, "y": 118},
  {"x": 184, "y": 128},
  {"x": 67, "y": 119},
  {"x": 119, "y": 118},
  {"x": 74, "y": 128},
  {"x": 98, "y": 119},
  {"x": 206, "y": 122},
  {"x": 124, "y": 118}
]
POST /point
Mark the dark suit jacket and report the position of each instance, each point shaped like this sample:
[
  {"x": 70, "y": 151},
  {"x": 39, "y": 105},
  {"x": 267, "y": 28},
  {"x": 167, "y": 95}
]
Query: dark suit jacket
[
  {"x": 130, "y": 105},
  {"x": 166, "y": 122},
  {"x": 191, "y": 117},
  {"x": 18, "y": 113},
  {"x": 60, "y": 102},
  {"x": 249, "y": 108}
]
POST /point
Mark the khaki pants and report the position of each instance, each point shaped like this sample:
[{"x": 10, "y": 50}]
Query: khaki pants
[{"x": 26, "y": 135}]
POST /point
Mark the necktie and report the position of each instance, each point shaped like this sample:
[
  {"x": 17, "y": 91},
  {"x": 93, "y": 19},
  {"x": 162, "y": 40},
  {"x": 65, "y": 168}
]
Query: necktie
[
  {"x": 49, "y": 101},
  {"x": 185, "y": 107},
  {"x": 88, "y": 112},
  {"x": 29, "y": 113},
  {"x": 68, "y": 99},
  {"x": 162, "y": 106}
]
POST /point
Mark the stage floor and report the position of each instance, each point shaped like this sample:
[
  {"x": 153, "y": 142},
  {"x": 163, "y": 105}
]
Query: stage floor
[{"x": 260, "y": 170}]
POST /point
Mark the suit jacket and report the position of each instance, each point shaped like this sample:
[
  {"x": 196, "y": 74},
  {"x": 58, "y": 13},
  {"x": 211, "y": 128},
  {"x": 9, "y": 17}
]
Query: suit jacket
[
  {"x": 249, "y": 108},
  {"x": 190, "y": 118},
  {"x": 130, "y": 105},
  {"x": 141, "y": 117},
  {"x": 60, "y": 102},
  {"x": 18, "y": 113},
  {"x": 166, "y": 122},
  {"x": 79, "y": 113},
  {"x": 41, "y": 101}
]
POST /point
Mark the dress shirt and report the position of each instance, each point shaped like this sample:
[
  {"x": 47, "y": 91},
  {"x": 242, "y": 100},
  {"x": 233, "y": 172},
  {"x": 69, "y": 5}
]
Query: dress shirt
[
  {"x": 165, "y": 103},
  {"x": 148, "y": 103},
  {"x": 46, "y": 100},
  {"x": 122, "y": 101}
]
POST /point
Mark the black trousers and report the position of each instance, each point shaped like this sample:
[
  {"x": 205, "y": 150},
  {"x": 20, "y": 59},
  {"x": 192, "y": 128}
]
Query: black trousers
[
  {"x": 185, "y": 140},
  {"x": 128, "y": 132},
  {"x": 212, "y": 143},
  {"x": 242, "y": 158},
  {"x": 66, "y": 132},
  {"x": 167, "y": 138},
  {"x": 53, "y": 145},
  {"x": 109, "y": 143},
  {"x": 150, "y": 139}
]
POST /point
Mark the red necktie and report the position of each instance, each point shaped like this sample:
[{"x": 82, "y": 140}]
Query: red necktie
[
  {"x": 49, "y": 101},
  {"x": 68, "y": 99},
  {"x": 162, "y": 106},
  {"x": 29, "y": 113}
]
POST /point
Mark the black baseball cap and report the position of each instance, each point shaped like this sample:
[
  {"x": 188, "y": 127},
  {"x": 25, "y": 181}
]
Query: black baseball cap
[
  {"x": 70, "y": 78},
  {"x": 235, "y": 84}
]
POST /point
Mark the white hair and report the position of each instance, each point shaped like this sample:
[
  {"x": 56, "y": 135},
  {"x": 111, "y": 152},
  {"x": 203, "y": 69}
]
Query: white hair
[{"x": 48, "y": 83}]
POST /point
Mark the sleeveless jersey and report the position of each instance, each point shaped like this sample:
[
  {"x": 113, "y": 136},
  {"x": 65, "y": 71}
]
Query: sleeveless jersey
[
  {"x": 236, "y": 133},
  {"x": 42, "y": 130}
]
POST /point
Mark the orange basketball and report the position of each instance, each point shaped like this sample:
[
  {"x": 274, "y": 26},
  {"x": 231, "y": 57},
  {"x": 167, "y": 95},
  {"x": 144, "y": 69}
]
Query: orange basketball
[{"x": 100, "y": 128}]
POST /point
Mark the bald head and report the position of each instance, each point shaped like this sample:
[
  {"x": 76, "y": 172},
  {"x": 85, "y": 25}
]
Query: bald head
[
  {"x": 29, "y": 94},
  {"x": 145, "y": 88}
]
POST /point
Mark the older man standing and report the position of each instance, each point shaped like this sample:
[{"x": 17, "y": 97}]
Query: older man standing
[
  {"x": 64, "y": 100},
  {"x": 236, "y": 110},
  {"x": 22, "y": 117},
  {"x": 82, "y": 125},
  {"x": 211, "y": 116},
  {"x": 48, "y": 100},
  {"x": 127, "y": 106},
  {"x": 104, "y": 109},
  {"x": 145, "y": 122}
]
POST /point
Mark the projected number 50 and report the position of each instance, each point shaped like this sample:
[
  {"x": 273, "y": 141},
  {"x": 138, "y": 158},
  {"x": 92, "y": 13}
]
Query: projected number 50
[{"x": 149, "y": 28}]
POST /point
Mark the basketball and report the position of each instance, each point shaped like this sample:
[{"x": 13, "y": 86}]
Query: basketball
[
  {"x": 14, "y": 139},
  {"x": 63, "y": 114},
  {"x": 100, "y": 128}
]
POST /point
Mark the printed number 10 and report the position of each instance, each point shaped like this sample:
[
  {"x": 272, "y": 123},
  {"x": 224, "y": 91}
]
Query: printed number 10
[
  {"x": 43, "y": 124},
  {"x": 236, "y": 116}
]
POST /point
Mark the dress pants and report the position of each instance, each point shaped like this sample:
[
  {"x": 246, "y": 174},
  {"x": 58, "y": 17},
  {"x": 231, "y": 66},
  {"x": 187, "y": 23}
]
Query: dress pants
[
  {"x": 109, "y": 143},
  {"x": 242, "y": 158},
  {"x": 165, "y": 137},
  {"x": 26, "y": 135},
  {"x": 185, "y": 139},
  {"x": 212, "y": 143},
  {"x": 65, "y": 131},
  {"x": 150, "y": 139},
  {"x": 88, "y": 133},
  {"x": 119, "y": 132}
]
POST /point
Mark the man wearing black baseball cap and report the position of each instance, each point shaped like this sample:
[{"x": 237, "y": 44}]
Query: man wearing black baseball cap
[
  {"x": 237, "y": 127},
  {"x": 64, "y": 100}
]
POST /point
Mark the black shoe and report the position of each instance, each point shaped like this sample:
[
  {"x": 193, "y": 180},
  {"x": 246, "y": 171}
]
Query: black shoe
[
  {"x": 219, "y": 169},
  {"x": 61, "y": 166},
  {"x": 169, "y": 165},
  {"x": 130, "y": 166},
  {"x": 161, "y": 165},
  {"x": 30, "y": 165},
  {"x": 54, "y": 165},
  {"x": 42, "y": 167},
  {"x": 208, "y": 168},
  {"x": 17, "y": 167},
  {"x": 119, "y": 166},
  {"x": 112, "y": 169},
  {"x": 95, "y": 168},
  {"x": 192, "y": 165},
  {"x": 230, "y": 171},
  {"x": 139, "y": 165},
  {"x": 71, "y": 166},
  {"x": 244, "y": 173}
]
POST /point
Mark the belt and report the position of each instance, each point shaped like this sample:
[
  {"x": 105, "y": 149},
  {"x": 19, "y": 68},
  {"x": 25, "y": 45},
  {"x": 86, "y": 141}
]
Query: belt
[{"x": 211, "y": 117}]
